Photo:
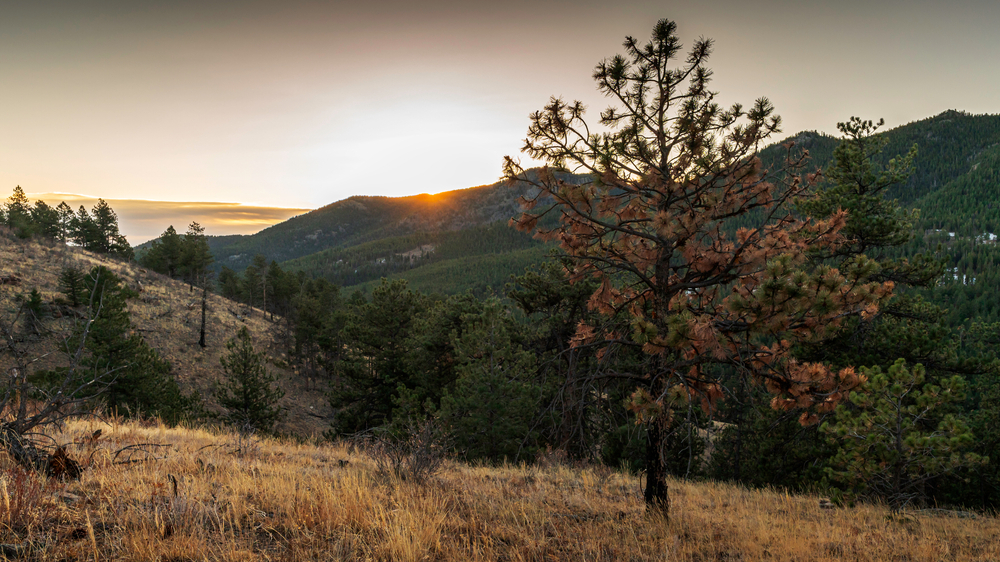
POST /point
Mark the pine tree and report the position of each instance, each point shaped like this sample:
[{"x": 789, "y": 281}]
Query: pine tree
[
  {"x": 105, "y": 226},
  {"x": 196, "y": 255},
  {"x": 165, "y": 254},
  {"x": 229, "y": 284},
  {"x": 251, "y": 284},
  {"x": 71, "y": 283},
  {"x": 140, "y": 380},
  {"x": 432, "y": 356},
  {"x": 369, "y": 374},
  {"x": 17, "y": 213},
  {"x": 34, "y": 309},
  {"x": 84, "y": 230},
  {"x": 172, "y": 248},
  {"x": 855, "y": 182},
  {"x": 654, "y": 222},
  {"x": 904, "y": 327},
  {"x": 555, "y": 306},
  {"x": 490, "y": 410},
  {"x": 889, "y": 442},
  {"x": 246, "y": 392},
  {"x": 106, "y": 237},
  {"x": 45, "y": 220},
  {"x": 259, "y": 269},
  {"x": 282, "y": 287},
  {"x": 66, "y": 217}
]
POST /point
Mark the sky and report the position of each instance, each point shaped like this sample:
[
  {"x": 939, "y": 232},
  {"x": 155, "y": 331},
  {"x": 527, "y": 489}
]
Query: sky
[
  {"x": 298, "y": 104},
  {"x": 142, "y": 220}
]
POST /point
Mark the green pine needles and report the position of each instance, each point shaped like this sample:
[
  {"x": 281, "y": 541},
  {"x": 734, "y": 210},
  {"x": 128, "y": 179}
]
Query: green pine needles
[
  {"x": 246, "y": 392},
  {"x": 894, "y": 437},
  {"x": 495, "y": 397}
]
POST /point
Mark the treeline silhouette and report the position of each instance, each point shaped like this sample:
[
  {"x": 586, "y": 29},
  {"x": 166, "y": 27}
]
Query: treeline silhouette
[{"x": 96, "y": 231}]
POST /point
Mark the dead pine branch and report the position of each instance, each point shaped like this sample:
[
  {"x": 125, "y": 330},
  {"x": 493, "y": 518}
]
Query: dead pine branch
[{"x": 139, "y": 452}]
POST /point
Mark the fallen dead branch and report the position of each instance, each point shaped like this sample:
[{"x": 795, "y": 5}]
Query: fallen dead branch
[{"x": 131, "y": 452}]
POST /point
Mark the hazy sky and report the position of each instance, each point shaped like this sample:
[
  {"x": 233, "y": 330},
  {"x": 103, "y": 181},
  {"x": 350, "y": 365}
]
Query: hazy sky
[{"x": 299, "y": 104}]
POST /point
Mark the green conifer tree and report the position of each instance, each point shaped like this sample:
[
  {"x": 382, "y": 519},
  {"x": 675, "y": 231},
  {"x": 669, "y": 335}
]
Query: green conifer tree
[
  {"x": 165, "y": 254},
  {"x": 71, "y": 283},
  {"x": 141, "y": 378},
  {"x": 66, "y": 217},
  {"x": 489, "y": 412},
  {"x": 229, "y": 284},
  {"x": 246, "y": 392},
  {"x": 369, "y": 375},
  {"x": 107, "y": 239},
  {"x": 106, "y": 226},
  {"x": 45, "y": 220},
  {"x": 17, "y": 213},
  {"x": 891, "y": 441},
  {"x": 34, "y": 310},
  {"x": 768, "y": 447},
  {"x": 84, "y": 230},
  {"x": 196, "y": 255}
]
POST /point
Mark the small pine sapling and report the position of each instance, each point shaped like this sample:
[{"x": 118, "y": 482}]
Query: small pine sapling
[
  {"x": 246, "y": 392},
  {"x": 71, "y": 283}
]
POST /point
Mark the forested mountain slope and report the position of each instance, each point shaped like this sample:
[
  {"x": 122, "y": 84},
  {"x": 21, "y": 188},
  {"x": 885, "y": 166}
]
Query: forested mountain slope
[
  {"x": 363, "y": 219},
  {"x": 955, "y": 187},
  {"x": 431, "y": 239},
  {"x": 949, "y": 145}
]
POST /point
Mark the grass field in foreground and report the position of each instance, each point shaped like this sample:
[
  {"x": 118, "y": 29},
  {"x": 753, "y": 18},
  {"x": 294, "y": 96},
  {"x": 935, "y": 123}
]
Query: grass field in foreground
[{"x": 281, "y": 500}]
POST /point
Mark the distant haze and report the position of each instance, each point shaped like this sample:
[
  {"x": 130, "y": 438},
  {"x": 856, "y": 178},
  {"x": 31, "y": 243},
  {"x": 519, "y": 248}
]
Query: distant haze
[
  {"x": 141, "y": 221},
  {"x": 301, "y": 103}
]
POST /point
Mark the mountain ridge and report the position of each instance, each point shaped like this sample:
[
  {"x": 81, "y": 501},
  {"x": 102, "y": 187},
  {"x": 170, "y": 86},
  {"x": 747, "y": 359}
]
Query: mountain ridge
[{"x": 368, "y": 235}]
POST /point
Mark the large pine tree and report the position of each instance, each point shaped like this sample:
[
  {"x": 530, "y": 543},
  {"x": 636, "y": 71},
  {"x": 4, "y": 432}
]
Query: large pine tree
[{"x": 654, "y": 226}]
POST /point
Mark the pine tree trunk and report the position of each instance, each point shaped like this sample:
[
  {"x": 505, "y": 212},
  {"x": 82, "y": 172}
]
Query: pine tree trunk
[
  {"x": 657, "y": 498},
  {"x": 204, "y": 303}
]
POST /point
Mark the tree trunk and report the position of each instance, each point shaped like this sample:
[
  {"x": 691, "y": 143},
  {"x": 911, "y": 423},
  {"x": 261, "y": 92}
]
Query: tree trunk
[
  {"x": 204, "y": 299},
  {"x": 657, "y": 498}
]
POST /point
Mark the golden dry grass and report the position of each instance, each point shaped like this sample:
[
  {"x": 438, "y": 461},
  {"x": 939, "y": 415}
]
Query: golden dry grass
[
  {"x": 168, "y": 314},
  {"x": 281, "y": 500}
]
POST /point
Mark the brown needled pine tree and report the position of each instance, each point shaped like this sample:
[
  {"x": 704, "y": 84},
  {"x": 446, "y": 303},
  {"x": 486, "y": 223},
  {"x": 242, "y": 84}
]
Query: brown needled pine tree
[{"x": 700, "y": 258}]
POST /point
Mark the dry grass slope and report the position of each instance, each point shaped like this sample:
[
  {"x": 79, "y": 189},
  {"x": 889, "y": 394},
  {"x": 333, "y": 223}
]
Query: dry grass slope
[
  {"x": 168, "y": 314},
  {"x": 149, "y": 492},
  {"x": 209, "y": 497}
]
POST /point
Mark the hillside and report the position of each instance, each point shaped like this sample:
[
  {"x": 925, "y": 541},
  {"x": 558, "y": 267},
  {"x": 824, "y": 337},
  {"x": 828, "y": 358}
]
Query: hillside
[
  {"x": 949, "y": 146},
  {"x": 361, "y": 239},
  {"x": 447, "y": 262},
  {"x": 955, "y": 187},
  {"x": 458, "y": 240},
  {"x": 167, "y": 314},
  {"x": 361, "y": 219},
  {"x": 205, "y": 495}
]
